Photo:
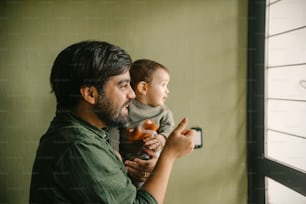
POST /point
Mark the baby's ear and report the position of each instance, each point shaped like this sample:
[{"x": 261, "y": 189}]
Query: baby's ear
[
  {"x": 142, "y": 87},
  {"x": 90, "y": 94}
]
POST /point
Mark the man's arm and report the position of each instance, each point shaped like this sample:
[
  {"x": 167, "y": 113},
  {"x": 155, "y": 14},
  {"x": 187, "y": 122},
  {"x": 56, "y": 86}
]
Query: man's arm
[{"x": 179, "y": 144}]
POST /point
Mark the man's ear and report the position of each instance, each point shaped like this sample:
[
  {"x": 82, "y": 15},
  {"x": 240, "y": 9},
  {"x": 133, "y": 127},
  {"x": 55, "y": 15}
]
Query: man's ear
[
  {"x": 142, "y": 87},
  {"x": 90, "y": 94}
]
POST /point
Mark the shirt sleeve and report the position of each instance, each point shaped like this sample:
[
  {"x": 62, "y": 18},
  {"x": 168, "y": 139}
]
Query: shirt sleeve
[
  {"x": 92, "y": 173},
  {"x": 166, "y": 123}
]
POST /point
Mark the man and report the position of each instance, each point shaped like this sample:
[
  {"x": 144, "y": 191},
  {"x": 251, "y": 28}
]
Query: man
[{"x": 75, "y": 162}]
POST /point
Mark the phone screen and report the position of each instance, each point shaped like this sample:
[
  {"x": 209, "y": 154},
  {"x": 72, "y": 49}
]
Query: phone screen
[{"x": 198, "y": 143}]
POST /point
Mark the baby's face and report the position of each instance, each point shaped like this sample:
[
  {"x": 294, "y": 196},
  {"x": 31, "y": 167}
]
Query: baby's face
[{"x": 158, "y": 88}]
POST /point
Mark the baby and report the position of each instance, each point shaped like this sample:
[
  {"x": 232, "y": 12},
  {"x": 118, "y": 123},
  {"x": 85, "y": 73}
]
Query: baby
[{"x": 150, "y": 120}]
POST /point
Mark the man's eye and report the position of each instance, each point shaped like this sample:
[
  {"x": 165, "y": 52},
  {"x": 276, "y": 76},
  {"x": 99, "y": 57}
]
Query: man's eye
[{"x": 124, "y": 86}]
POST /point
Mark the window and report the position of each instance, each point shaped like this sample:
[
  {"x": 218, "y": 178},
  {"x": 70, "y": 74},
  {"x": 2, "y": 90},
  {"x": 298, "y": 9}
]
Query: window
[{"x": 277, "y": 101}]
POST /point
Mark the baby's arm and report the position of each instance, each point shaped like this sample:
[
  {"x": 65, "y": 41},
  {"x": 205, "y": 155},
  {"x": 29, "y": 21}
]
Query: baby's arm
[
  {"x": 165, "y": 128},
  {"x": 154, "y": 139}
]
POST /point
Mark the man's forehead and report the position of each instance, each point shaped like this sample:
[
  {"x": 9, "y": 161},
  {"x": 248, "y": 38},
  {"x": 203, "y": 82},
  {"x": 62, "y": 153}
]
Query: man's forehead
[{"x": 120, "y": 78}]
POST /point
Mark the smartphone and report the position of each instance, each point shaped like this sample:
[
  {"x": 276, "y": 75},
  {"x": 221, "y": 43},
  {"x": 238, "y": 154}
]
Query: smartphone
[{"x": 198, "y": 142}]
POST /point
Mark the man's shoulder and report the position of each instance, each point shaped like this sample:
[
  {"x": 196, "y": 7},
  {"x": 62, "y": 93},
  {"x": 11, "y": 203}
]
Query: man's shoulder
[{"x": 71, "y": 134}]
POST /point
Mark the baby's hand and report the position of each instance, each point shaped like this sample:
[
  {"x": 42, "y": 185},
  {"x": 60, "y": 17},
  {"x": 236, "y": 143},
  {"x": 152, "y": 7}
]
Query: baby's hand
[{"x": 154, "y": 142}]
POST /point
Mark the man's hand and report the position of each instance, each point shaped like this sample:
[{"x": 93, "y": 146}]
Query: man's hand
[
  {"x": 138, "y": 169},
  {"x": 181, "y": 140}
]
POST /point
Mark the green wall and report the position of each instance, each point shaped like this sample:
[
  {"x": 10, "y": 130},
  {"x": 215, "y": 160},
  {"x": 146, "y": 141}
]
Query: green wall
[{"x": 202, "y": 42}]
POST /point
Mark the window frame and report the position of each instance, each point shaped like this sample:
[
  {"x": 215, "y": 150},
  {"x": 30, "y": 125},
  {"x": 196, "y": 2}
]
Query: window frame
[{"x": 258, "y": 166}]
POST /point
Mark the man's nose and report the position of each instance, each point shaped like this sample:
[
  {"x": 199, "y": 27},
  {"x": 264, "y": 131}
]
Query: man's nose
[{"x": 131, "y": 93}]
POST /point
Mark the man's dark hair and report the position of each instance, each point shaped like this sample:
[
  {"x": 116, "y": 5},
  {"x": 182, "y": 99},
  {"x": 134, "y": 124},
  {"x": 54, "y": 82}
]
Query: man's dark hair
[
  {"x": 143, "y": 69},
  {"x": 87, "y": 63}
]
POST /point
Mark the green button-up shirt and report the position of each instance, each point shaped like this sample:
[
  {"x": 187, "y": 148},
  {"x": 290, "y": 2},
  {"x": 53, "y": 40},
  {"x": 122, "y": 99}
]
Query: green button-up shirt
[{"x": 76, "y": 164}]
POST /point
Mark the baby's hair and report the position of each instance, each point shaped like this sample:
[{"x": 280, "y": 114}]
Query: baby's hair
[{"x": 143, "y": 69}]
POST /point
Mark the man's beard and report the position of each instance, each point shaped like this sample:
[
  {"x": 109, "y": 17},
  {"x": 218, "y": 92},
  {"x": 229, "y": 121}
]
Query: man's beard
[{"x": 109, "y": 114}]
